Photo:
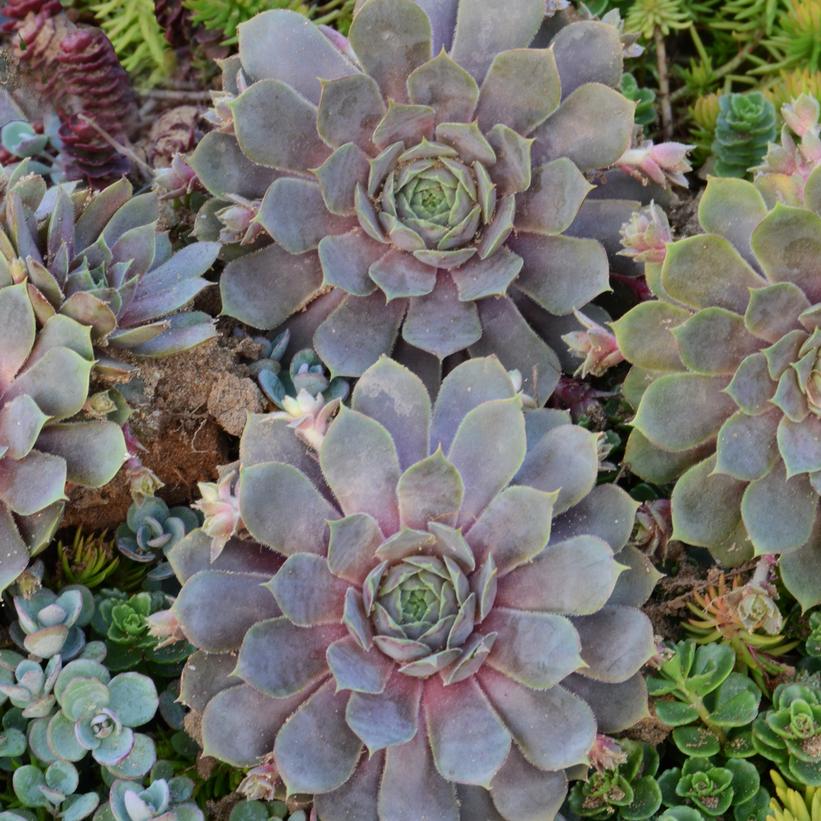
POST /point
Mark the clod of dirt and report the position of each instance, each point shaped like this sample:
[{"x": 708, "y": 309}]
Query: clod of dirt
[{"x": 231, "y": 400}]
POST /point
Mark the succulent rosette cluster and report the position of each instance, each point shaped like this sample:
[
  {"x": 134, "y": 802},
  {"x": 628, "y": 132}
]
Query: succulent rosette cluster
[
  {"x": 99, "y": 258},
  {"x": 44, "y": 379},
  {"x": 439, "y": 611},
  {"x": 425, "y": 182},
  {"x": 727, "y": 382}
]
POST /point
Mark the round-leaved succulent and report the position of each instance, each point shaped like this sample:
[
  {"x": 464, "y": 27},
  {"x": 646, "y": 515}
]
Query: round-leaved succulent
[
  {"x": 445, "y": 612},
  {"x": 425, "y": 178},
  {"x": 727, "y": 382}
]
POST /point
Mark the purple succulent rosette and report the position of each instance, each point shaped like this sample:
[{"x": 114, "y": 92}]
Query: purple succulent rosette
[
  {"x": 441, "y": 611},
  {"x": 425, "y": 182},
  {"x": 727, "y": 382},
  {"x": 44, "y": 379},
  {"x": 99, "y": 258}
]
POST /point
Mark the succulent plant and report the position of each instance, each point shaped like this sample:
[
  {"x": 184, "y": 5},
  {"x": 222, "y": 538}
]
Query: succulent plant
[
  {"x": 792, "y": 805},
  {"x": 746, "y": 618},
  {"x": 726, "y": 382},
  {"x": 89, "y": 560},
  {"x": 714, "y": 789},
  {"x": 627, "y": 790},
  {"x": 97, "y": 714},
  {"x": 38, "y": 143},
  {"x": 790, "y": 732},
  {"x": 265, "y": 811},
  {"x": 161, "y": 800},
  {"x": 745, "y": 126},
  {"x": 48, "y": 624},
  {"x": 394, "y": 188},
  {"x": 417, "y": 609},
  {"x": 123, "y": 621},
  {"x": 44, "y": 378},
  {"x": 99, "y": 259},
  {"x": 789, "y": 172},
  {"x": 151, "y": 529},
  {"x": 31, "y": 690},
  {"x": 595, "y": 345},
  {"x": 54, "y": 790},
  {"x": 707, "y": 703}
]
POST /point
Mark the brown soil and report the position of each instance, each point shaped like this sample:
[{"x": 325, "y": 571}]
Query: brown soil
[{"x": 189, "y": 411}]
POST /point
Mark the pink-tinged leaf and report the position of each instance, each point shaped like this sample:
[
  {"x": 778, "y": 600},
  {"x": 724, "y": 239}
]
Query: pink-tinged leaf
[
  {"x": 468, "y": 740},
  {"x": 799, "y": 571},
  {"x": 575, "y": 576},
  {"x": 221, "y": 629},
  {"x": 274, "y": 44},
  {"x": 281, "y": 660},
  {"x": 397, "y": 399},
  {"x": 315, "y": 751},
  {"x": 446, "y": 87},
  {"x": 566, "y": 460},
  {"x": 483, "y": 30},
  {"x": 515, "y": 527},
  {"x": 349, "y": 109},
  {"x": 521, "y": 89},
  {"x": 192, "y": 554},
  {"x": 536, "y": 649},
  {"x": 523, "y": 792},
  {"x": 20, "y": 424},
  {"x": 346, "y": 259},
  {"x": 616, "y": 642},
  {"x": 389, "y": 718},
  {"x": 500, "y": 422},
  {"x": 352, "y": 546},
  {"x": 356, "y": 798},
  {"x": 358, "y": 332},
  {"x": 430, "y": 491},
  {"x": 553, "y": 729},
  {"x": 222, "y": 168},
  {"x": 411, "y": 788},
  {"x": 408, "y": 30},
  {"x": 205, "y": 675},
  {"x": 607, "y": 512},
  {"x": 239, "y": 724},
  {"x": 294, "y": 214},
  {"x": 617, "y": 706},
  {"x": 588, "y": 51},
  {"x": 32, "y": 483},
  {"x": 551, "y": 205},
  {"x": 283, "y": 510},
  {"x": 357, "y": 669},
  {"x": 361, "y": 466},
  {"x": 574, "y": 129},
  {"x": 773, "y": 311},
  {"x": 265, "y": 287},
  {"x": 306, "y": 591},
  {"x": 93, "y": 451},
  {"x": 465, "y": 388}
]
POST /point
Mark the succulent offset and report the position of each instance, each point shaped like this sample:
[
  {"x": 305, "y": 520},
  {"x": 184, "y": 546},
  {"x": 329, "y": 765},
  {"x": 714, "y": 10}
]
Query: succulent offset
[
  {"x": 727, "y": 382},
  {"x": 100, "y": 259},
  {"x": 425, "y": 179},
  {"x": 96, "y": 714},
  {"x": 745, "y": 126},
  {"x": 445, "y": 587},
  {"x": 44, "y": 380}
]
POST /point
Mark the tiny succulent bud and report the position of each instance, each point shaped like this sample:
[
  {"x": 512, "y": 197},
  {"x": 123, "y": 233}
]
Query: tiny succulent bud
[
  {"x": 745, "y": 125},
  {"x": 606, "y": 754},
  {"x": 596, "y": 345},
  {"x": 645, "y": 235},
  {"x": 308, "y": 415},
  {"x": 176, "y": 180},
  {"x": 239, "y": 221},
  {"x": 654, "y": 528},
  {"x": 261, "y": 783},
  {"x": 220, "y": 507},
  {"x": 664, "y": 164},
  {"x": 164, "y": 626}
]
